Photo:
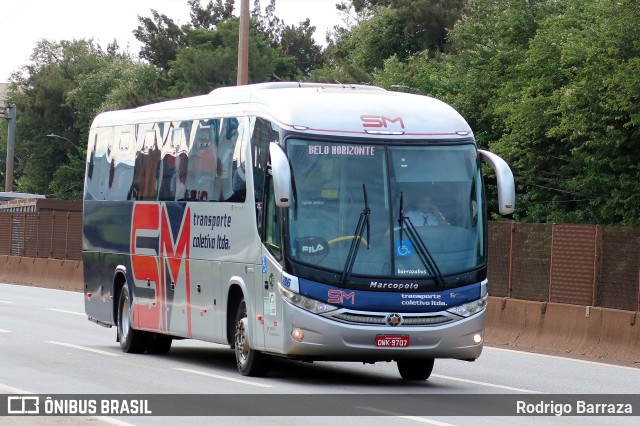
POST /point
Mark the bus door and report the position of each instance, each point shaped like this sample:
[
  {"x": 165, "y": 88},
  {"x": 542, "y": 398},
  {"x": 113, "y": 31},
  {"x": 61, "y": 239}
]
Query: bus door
[{"x": 272, "y": 303}]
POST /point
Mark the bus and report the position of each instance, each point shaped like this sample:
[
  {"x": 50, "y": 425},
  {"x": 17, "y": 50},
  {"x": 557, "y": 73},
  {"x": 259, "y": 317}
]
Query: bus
[{"x": 276, "y": 218}]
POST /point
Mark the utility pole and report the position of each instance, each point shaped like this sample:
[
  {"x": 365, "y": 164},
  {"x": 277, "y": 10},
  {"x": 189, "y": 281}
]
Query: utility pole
[
  {"x": 243, "y": 44},
  {"x": 9, "y": 112}
]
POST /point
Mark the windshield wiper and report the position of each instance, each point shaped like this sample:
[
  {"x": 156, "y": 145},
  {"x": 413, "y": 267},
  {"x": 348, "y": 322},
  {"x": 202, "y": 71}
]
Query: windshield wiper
[
  {"x": 423, "y": 252},
  {"x": 355, "y": 243}
]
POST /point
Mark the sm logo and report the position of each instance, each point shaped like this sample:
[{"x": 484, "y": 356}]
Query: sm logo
[
  {"x": 160, "y": 251},
  {"x": 380, "y": 121},
  {"x": 339, "y": 296}
]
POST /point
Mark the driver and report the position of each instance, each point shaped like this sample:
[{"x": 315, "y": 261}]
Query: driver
[{"x": 427, "y": 213}]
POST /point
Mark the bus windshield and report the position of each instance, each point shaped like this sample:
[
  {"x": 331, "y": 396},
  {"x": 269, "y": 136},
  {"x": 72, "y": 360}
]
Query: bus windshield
[{"x": 436, "y": 189}]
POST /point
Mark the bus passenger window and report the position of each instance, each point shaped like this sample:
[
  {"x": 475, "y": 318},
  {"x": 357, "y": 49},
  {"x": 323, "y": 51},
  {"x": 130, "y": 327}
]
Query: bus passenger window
[
  {"x": 202, "y": 168},
  {"x": 229, "y": 154},
  {"x": 122, "y": 160},
  {"x": 173, "y": 174},
  {"x": 147, "y": 168}
]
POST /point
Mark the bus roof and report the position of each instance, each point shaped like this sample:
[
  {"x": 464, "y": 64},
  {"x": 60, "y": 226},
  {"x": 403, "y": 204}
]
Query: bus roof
[{"x": 348, "y": 110}]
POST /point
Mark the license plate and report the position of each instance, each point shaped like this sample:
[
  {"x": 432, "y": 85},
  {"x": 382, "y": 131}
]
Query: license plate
[{"x": 392, "y": 341}]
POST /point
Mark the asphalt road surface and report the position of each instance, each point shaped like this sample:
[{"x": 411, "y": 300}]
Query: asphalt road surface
[{"x": 48, "y": 347}]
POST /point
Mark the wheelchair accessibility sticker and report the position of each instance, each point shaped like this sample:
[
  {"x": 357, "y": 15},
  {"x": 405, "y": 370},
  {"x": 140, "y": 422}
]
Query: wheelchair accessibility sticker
[{"x": 404, "y": 248}]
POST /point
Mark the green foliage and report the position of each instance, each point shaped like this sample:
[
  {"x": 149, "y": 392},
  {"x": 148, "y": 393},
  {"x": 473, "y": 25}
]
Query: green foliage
[
  {"x": 550, "y": 85},
  {"x": 342, "y": 73},
  {"x": 376, "y": 39},
  {"x": 211, "y": 61},
  {"x": 67, "y": 84},
  {"x": 395, "y": 27},
  {"x": 298, "y": 43},
  {"x": 571, "y": 115},
  {"x": 68, "y": 179},
  {"x": 161, "y": 38},
  {"x": 210, "y": 16},
  {"x": 40, "y": 93}
]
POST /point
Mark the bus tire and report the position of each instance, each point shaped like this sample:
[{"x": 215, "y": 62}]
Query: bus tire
[
  {"x": 250, "y": 361},
  {"x": 415, "y": 368},
  {"x": 131, "y": 341}
]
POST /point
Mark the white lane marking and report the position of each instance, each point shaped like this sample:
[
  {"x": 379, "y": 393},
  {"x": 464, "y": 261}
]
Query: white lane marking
[
  {"x": 112, "y": 421},
  {"x": 11, "y": 389},
  {"x": 35, "y": 288},
  {"x": 4, "y": 331},
  {"x": 484, "y": 384},
  {"x": 82, "y": 348},
  {"x": 231, "y": 379},
  {"x": 602, "y": 364},
  {"x": 65, "y": 311},
  {"x": 414, "y": 418},
  {"x": 8, "y": 303}
]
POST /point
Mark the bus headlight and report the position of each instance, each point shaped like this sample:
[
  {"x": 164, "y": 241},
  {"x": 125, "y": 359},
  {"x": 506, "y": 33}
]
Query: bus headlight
[
  {"x": 469, "y": 308},
  {"x": 306, "y": 303}
]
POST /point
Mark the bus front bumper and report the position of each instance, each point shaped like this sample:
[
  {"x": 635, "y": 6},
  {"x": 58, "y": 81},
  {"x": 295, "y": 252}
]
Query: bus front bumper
[{"x": 327, "y": 339}]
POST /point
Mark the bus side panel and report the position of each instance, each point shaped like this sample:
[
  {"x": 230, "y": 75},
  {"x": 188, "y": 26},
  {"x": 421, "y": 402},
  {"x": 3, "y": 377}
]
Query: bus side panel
[
  {"x": 96, "y": 303},
  {"x": 206, "y": 308},
  {"x": 106, "y": 234}
]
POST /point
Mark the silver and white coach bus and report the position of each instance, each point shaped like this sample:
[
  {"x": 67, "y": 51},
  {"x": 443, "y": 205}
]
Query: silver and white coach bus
[{"x": 306, "y": 221}]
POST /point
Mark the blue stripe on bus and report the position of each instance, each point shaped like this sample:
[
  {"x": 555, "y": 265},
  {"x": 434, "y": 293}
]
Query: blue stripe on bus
[{"x": 390, "y": 301}]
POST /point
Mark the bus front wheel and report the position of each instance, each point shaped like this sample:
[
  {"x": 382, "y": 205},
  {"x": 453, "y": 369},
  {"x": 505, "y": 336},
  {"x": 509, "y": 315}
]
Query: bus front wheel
[
  {"x": 250, "y": 362},
  {"x": 131, "y": 341},
  {"x": 415, "y": 369}
]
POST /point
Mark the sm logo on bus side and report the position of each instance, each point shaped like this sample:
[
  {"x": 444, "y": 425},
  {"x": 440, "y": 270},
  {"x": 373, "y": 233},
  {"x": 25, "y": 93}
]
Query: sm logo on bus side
[
  {"x": 160, "y": 251},
  {"x": 338, "y": 297}
]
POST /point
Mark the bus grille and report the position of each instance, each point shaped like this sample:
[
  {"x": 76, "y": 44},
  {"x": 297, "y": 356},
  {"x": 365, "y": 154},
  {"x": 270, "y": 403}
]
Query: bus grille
[{"x": 353, "y": 318}]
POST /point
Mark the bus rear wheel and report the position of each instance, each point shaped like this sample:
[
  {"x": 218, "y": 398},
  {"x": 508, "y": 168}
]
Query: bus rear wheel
[
  {"x": 416, "y": 368},
  {"x": 250, "y": 362},
  {"x": 131, "y": 341}
]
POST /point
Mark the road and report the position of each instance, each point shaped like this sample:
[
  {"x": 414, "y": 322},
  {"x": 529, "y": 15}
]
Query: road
[{"x": 47, "y": 346}]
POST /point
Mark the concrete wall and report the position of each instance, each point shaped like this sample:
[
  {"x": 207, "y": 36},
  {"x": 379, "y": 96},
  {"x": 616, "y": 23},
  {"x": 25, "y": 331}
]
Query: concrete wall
[
  {"x": 50, "y": 273},
  {"x": 598, "y": 334}
]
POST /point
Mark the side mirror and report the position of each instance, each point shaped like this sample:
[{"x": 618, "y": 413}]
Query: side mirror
[
  {"x": 506, "y": 184},
  {"x": 281, "y": 173}
]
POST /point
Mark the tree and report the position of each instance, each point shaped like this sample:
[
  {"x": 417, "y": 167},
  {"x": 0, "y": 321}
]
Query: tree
[
  {"x": 60, "y": 92},
  {"x": 298, "y": 43},
  {"x": 209, "y": 17},
  {"x": 212, "y": 57},
  {"x": 551, "y": 87},
  {"x": 572, "y": 115},
  {"x": 373, "y": 41},
  {"x": 267, "y": 23},
  {"x": 161, "y": 38},
  {"x": 415, "y": 25},
  {"x": 386, "y": 29},
  {"x": 40, "y": 94}
]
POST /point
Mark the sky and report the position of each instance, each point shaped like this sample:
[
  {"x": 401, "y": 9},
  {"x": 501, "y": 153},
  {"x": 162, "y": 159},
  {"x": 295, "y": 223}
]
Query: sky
[{"x": 24, "y": 22}]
